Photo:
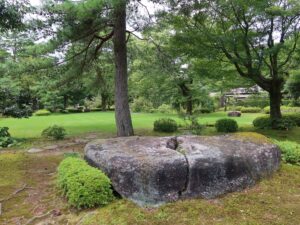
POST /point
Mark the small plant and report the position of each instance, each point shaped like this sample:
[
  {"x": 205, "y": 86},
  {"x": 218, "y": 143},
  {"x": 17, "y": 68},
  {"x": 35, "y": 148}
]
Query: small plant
[
  {"x": 290, "y": 151},
  {"x": 165, "y": 125},
  {"x": 55, "y": 132},
  {"x": 42, "y": 112},
  {"x": 195, "y": 127},
  {"x": 226, "y": 125},
  {"x": 5, "y": 139},
  {"x": 83, "y": 185}
]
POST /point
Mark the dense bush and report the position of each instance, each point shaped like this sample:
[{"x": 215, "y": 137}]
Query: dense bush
[
  {"x": 294, "y": 117},
  {"x": 265, "y": 122},
  {"x": 83, "y": 185},
  {"x": 256, "y": 100},
  {"x": 141, "y": 105},
  {"x": 164, "y": 108},
  {"x": 42, "y": 112},
  {"x": 75, "y": 110},
  {"x": 55, "y": 132},
  {"x": 290, "y": 151},
  {"x": 284, "y": 109},
  {"x": 165, "y": 125},
  {"x": 250, "y": 109},
  {"x": 5, "y": 139},
  {"x": 226, "y": 125},
  {"x": 266, "y": 110},
  {"x": 96, "y": 109},
  {"x": 203, "y": 110},
  {"x": 17, "y": 111}
]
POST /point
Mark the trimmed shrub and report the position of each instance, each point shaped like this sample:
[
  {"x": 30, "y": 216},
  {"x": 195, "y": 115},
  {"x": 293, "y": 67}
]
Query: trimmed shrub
[
  {"x": 96, "y": 110},
  {"x": 83, "y": 185},
  {"x": 55, "y": 132},
  {"x": 165, "y": 125},
  {"x": 284, "y": 109},
  {"x": 42, "y": 112},
  {"x": 265, "y": 122},
  {"x": 226, "y": 125},
  {"x": 250, "y": 109},
  {"x": 266, "y": 110},
  {"x": 288, "y": 109},
  {"x": 290, "y": 151}
]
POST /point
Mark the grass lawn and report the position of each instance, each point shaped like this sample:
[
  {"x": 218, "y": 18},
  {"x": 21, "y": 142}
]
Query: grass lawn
[
  {"x": 103, "y": 122},
  {"x": 272, "y": 201}
]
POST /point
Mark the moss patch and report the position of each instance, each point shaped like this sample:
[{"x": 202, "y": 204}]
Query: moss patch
[{"x": 252, "y": 136}]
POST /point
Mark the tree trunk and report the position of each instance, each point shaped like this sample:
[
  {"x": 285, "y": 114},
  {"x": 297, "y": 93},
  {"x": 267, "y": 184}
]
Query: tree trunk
[
  {"x": 189, "y": 105},
  {"x": 275, "y": 101},
  {"x": 104, "y": 101},
  {"x": 65, "y": 101},
  {"x": 122, "y": 112}
]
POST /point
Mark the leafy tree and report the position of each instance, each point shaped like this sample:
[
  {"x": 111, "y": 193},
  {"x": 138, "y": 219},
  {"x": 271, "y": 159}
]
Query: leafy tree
[
  {"x": 293, "y": 85},
  {"x": 11, "y": 14},
  {"x": 91, "y": 25},
  {"x": 259, "y": 38}
]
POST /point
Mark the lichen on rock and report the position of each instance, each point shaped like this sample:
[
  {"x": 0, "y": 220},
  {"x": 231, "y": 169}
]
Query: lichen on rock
[{"x": 154, "y": 170}]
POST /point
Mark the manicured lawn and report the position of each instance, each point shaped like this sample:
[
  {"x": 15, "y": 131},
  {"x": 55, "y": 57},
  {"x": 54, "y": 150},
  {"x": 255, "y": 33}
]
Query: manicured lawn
[{"x": 103, "y": 122}]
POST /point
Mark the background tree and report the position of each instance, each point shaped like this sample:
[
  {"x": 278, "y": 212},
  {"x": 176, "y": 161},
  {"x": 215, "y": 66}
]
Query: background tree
[{"x": 259, "y": 38}]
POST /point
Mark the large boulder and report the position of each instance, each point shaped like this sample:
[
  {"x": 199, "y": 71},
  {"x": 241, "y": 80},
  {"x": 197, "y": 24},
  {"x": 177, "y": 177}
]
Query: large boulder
[{"x": 154, "y": 170}]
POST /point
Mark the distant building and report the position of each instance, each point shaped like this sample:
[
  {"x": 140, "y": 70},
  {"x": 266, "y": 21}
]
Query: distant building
[{"x": 242, "y": 93}]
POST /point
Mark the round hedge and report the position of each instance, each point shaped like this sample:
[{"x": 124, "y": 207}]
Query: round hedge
[
  {"x": 83, "y": 185},
  {"x": 165, "y": 125},
  {"x": 226, "y": 125}
]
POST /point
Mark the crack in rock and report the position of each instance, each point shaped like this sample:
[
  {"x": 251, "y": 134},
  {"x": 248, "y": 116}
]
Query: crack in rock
[{"x": 174, "y": 144}]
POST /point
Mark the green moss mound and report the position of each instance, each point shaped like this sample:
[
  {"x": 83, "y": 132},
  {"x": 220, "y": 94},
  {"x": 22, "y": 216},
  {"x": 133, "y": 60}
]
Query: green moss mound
[{"x": 83, "y": 185}]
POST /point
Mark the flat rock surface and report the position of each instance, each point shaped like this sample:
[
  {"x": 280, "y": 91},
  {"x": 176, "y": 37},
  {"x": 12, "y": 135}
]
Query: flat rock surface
[{"x": 154, "y": 170}]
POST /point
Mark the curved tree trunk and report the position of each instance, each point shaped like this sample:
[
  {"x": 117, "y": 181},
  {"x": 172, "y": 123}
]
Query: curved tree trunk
[{"x": 122, "y": 112}]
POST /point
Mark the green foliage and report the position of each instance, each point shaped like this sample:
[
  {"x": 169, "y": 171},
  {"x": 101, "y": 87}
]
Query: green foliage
[
  {"x": 75, "y": 110},
  {"x": 55, "y": 132},
  {"x": 265, "y": 122},
  {"x": 293, "y": 84},
  {"x": 294, "y": 117},
  {"x": 266, "y": 110},
  {"x": 195, "y": 126},
  {"x": 226, "y": 125},
  {"x": 17, "y": 111},
  {"x": 83, "y": 185},
  {"x": 141, "y": 105},
  {"x": 164, "y": 108},
  {"x": 165, "y": 125},
  {"x": 256, "y": 100},
  {"x": 42, "y": 112},
  {"x": 290, "y": 151},
  {"x": 5, "y": 139},
  {"x": 250, "y": 109}
]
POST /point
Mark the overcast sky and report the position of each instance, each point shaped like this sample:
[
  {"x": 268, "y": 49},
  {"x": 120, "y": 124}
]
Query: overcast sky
[{"x": 151, "y": 7}]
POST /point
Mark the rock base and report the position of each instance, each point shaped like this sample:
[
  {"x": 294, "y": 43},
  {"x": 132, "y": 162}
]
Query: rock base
[{"x": 155, "y": 170}]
